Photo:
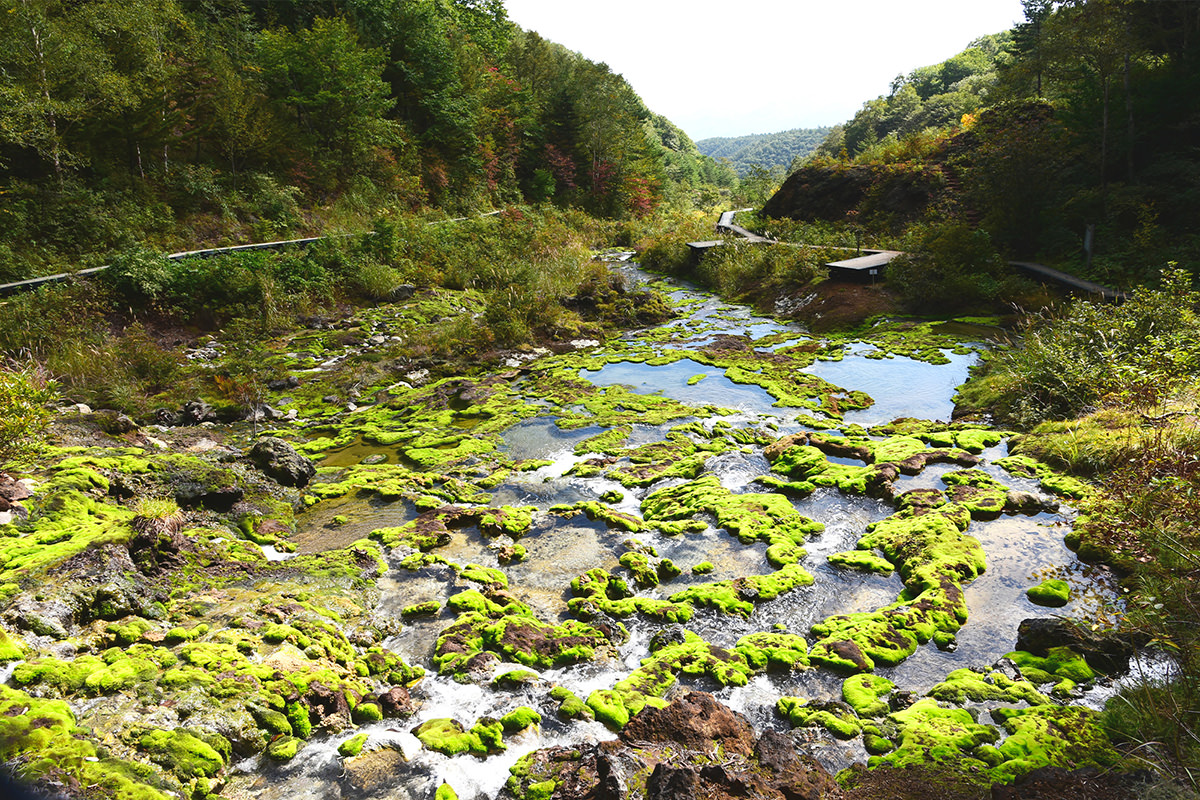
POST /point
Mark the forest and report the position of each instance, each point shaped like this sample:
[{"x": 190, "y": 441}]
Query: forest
[
  {"x": 175, "y": 124},
  {"x": 771, "y": 151},
  {"x": 1081, "y": 119}
]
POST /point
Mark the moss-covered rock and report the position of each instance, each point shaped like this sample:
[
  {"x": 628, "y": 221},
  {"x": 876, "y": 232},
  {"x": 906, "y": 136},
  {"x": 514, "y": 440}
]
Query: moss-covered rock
[{"x": 1052, "y": 592}]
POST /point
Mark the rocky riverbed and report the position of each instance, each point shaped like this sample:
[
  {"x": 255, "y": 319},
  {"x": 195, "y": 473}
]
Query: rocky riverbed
[{"x": 717, "y": 557}]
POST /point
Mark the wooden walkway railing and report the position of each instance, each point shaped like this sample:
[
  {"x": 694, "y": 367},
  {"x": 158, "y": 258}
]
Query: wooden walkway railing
[{"x": 33, "y": 283}]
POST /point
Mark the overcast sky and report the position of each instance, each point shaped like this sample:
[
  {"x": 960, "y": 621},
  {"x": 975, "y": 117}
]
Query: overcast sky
[{"x": 760, "y": 66}]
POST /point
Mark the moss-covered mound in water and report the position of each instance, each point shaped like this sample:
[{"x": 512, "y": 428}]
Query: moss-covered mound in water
[
  {"x": 1052, "y": 592},
  {"x": 769, "y": 518},
  {"x": 687, "y": 654},
  {"x": 596, "y": 591},
  {"x": 934, "y": 558}
]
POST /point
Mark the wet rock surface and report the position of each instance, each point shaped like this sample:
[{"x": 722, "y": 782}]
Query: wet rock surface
[{"x": 694, "y": 747}]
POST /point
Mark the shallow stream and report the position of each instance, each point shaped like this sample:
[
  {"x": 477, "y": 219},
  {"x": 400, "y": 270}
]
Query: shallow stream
[{"x": 1021, "y": 550}]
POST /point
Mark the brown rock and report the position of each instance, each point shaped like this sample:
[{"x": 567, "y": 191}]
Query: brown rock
[
  {"x": 696, "y": 721},
  {"x": 396, "y": 702}
]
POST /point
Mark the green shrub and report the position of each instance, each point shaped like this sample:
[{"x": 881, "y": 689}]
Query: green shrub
[
  {"x": 1143, "y": 350},
  {"x": 24, "y": 416},
  {"x": 948, "y": 267}
]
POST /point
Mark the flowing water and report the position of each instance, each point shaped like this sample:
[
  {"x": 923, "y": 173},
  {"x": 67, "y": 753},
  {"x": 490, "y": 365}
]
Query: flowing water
[{"x": 1021, "y": 551}]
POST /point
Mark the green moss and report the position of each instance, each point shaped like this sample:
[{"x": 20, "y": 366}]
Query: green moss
[
  {"x": 284, "y": 748},
  {"x": 934, "y": 558},
  {"x": 598, "y": 592},
  {"x": 638, "y": 564},
  {"x": 570, "y": 706},
  {"x": 297, "y": 715},
  {"x": 962, "y": 685},
  {"x": 864, "y": 694},
  {"x": 427, "y": 608},
  {"x": 610, "y": 442},
  {"x": 738, "y": 596},
  {"x": 1053, "y": 592},
  {"x": 1050, "y": 735},
  {"x": 703, "y": 568},
  {"x": 657, "y": 674},
  {"x": 352, "y": 746},
  {"x": 270, "y": 720},
  {"x": 1048, "y": 478},
  {"x": 780, "y": 651},
  {"x": 928, "y": 734},
  {"x": 186, "y": 755},
  {"x": 1059, "y": 663},
  {"x": 836, "y": 719},
  {"x": 449, "y": 737},
  {"x": 769, "y": 518},
  {"x": 519, "y": 719},
  {"x": 862, "y": 560},
  {"x": 981, "y": 494},
  {"x": 445, "y": 792}
]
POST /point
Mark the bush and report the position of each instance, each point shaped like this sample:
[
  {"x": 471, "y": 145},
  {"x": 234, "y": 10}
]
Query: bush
[
  {"x": 948, "y": 267},
  {"x": 24, "y": 417},
  {"x": 1143, "y": 350}
]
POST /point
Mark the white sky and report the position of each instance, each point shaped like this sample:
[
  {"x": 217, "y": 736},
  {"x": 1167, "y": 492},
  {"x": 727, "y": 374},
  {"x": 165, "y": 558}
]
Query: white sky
[{"x": 734, "y": 67}]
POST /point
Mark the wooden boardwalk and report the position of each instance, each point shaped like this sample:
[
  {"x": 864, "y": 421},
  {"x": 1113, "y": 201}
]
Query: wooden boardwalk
[
  {"x": 33, "y": 283},
  {"x": 1069, "y": 281}
]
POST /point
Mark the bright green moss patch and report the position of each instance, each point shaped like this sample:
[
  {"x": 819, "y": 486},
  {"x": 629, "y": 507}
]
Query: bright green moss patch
[
  {"x": 703, "y": 568},
  {"x": 610, "y": 442},
  {"x": 428, "y": 608},
  {"x": 449, "y": 737},
  {"x": 569, "y": 705},
  {"x": 962, "y": 685},
  {"x": 929, "y": 734},
  {"x": 520, "y": 638},
  {"x": 650, "y": 681},
  {"x": 1053, "y": 592},
  {"x": 769, "y": 518},
  {"x": 596, "y": 591},
  {"x": 836, "y": 719},
  {"x": 1048, "y": 478},
  {"x": 519, "y": 719},
  {"x": 777, "y": 651},
  {"x": 738, "y": 596},
  {"x": 1059, "y": 664},
  {"x": 181, "y": 752},
  {"x": 865, "y": 693},
  {"x": 445, "y": 792},
  {"x": 352, "y": 746},
  {"x": 62, "y": 524},
  {"x": 284, "y": 748},
  {"x": 1050, "y": 735},
  {"x": 981, "y": 494},
  {"x": 862, "y": 560}
]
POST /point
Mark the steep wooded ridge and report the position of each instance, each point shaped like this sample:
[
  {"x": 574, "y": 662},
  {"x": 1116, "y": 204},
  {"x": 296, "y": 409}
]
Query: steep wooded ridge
[
  {"x": 766, "y": 150},
  {"x": 183, "y": 124},
  {"x": 1083, "y": 116}
]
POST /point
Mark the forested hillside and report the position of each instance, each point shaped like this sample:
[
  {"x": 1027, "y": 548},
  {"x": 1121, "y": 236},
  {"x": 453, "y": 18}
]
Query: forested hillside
[
  {"x": 1083, "y": 117},
  {"x": 176, "y": 123},
  {"x": 766, "y": 150}
]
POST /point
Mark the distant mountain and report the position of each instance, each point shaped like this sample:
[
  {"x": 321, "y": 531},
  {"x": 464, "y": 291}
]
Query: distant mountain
[{"x": 767, "y": 150}]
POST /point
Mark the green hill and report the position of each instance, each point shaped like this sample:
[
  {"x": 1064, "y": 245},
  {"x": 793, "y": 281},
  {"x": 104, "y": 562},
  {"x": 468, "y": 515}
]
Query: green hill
[{"x": 767, "y": 150}]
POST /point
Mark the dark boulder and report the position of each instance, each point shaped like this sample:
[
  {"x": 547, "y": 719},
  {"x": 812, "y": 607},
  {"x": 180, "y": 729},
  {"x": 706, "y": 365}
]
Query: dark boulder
[
  {"x": 280, "y": 461},
  {"x": 1108, "y": 652},
  {"x": 195, "y": 412}
]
